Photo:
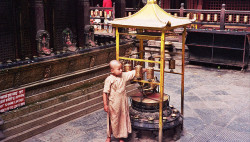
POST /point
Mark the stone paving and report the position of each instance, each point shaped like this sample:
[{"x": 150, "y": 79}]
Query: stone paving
[{"x": 217, "y": 104}]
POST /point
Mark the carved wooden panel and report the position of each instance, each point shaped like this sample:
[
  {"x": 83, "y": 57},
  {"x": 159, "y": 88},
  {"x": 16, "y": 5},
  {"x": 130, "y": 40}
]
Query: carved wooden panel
[
  {"x": 100, "y": 58},
  {"x": 72, "y": 65},
  {"x": 59, "y": 67},
  {"x": 6, "y": 80},
  {"x": 47, "y": 72},
  {"x": 92, "y": 61}
]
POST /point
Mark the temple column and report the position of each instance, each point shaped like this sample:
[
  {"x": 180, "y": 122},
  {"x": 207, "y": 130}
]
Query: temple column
[
  {"x": 38, "y": 9},
  {"x": 120, "y": 6},
  {"x": 37, "y": 22},
  {"x": 83, "y": 22}
]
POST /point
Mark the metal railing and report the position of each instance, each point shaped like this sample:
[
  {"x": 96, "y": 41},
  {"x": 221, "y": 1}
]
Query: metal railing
[{"x": 221, "y": 19}]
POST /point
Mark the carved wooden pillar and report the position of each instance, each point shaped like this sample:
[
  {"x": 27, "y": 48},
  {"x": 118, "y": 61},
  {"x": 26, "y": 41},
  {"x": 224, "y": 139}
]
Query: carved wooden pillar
[
  {"x": 38, "y": 10},
  {"x": 222, "y": 17},
  {"x": 165, "y": 4},
  {"x": 37, "y": 21},
  {"x": 120, "y": 6},
  {"x": 200, "y": 4},
  {"x": 83, "y": 21}
]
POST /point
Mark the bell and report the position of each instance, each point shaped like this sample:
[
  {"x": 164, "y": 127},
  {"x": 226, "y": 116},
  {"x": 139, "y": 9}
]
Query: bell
[
  {"x": 127, "y": 67},
  {"x": 171, "y": 64},
  {"x": 150, "y": 73},
  {"x": 138, "y": 72}
]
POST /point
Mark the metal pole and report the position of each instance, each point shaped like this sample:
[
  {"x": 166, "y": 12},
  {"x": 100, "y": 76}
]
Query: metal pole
[
  {"x": 182, "y": 70},
  {"x": 161, "y": 83},
  {"x": 117, "y": 43},
  {"x": 141, "y": 48}
]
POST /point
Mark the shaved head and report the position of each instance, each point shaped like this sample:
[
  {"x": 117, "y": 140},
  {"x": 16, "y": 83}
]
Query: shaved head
[{"x": 114, "y": 63}]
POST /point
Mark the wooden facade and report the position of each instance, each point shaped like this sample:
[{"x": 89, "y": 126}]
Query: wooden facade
[{"x": 21, "y": 19}]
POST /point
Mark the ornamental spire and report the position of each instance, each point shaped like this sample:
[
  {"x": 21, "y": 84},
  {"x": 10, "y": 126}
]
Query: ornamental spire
[{"x": 151, "y": 2}]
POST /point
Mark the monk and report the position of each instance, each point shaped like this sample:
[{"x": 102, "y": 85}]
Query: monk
[{"x": 116, "y": 102}]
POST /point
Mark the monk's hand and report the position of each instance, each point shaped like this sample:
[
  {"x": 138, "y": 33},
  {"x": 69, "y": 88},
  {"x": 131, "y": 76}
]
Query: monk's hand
[{"x": 106, "y": 108}]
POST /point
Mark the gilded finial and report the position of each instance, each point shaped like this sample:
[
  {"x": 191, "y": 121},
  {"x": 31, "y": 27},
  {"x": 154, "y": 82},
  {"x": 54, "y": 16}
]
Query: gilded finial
[{"x": 152, "y": 2}]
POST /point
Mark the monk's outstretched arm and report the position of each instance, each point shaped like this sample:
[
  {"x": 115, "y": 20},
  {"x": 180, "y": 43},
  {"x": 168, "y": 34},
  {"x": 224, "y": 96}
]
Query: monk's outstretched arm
[{"x": 105, "y": 102}]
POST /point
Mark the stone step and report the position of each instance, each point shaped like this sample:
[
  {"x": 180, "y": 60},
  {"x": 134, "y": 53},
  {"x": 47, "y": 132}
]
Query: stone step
[
  {"x": 53, "y": 115},
  {"x": 53, "y": 99},
  {"x": 72, "y": 98},
  {"x": 53, "y": 123},
  {"x": 24, "y": 120}
]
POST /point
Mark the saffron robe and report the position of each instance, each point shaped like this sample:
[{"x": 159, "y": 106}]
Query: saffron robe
[{"x": 118, "y": 115}]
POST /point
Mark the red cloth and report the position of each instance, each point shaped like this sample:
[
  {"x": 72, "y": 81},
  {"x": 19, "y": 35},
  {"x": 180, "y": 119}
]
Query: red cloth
[{"x": 107, "y": 3}]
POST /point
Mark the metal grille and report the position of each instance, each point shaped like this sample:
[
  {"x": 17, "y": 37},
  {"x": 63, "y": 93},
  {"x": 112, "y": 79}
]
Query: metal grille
[
  {"x": 25, "y": 29},
  {"x": 230, "y": 4},
  {"x": 7, "y": 38},
  {"x": 64, "y": 17}
]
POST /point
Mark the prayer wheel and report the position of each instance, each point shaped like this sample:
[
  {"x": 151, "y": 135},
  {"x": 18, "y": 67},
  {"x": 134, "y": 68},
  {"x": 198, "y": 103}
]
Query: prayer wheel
[
  {"x": 202, "y": 17},
  {"x": 188, "y": 15},
  {"x": 91, "y": 13},
  {"x": 208, "y": 17},
  {"x": 194, "y": 16},
  {"x": 100, "y": 13},
  {"x": 175, "y": 14},
  {"x": 150, "y": 73},
  {"x": 171, "y": 64},
  {"x": 127, "y": 67},
  {"x": 230, "y": 18},
  {"x": 138, "y": 72},
  {"x": 129, "y": 13},
  {"x": 215, "y": 17},
  {"x": 237, "y": 18},
  {"x": 245, "y": 19}
]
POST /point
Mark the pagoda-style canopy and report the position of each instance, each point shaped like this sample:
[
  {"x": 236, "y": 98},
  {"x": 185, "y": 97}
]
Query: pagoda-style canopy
[{"x": 151, "y": 16}]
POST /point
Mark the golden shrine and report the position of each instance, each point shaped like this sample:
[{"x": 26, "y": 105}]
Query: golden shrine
[{"x": 152, "y": 17}]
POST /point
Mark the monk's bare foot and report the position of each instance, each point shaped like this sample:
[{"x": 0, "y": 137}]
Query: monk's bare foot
[
  {"x": 108, "y": 139},
  {"x": 121, "y": 140}
]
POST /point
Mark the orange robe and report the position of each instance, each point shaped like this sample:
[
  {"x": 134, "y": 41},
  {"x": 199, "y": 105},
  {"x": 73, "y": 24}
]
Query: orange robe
[{"x": 118, "y": 104}]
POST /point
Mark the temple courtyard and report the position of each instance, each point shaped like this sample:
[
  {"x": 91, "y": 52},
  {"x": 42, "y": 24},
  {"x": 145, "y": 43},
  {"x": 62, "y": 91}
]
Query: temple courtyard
[{"x": 216, "y": 109}]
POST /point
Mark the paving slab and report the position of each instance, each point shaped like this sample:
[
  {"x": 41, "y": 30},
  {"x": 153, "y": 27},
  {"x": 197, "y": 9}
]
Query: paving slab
[{"x": 217, "y": 104}]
